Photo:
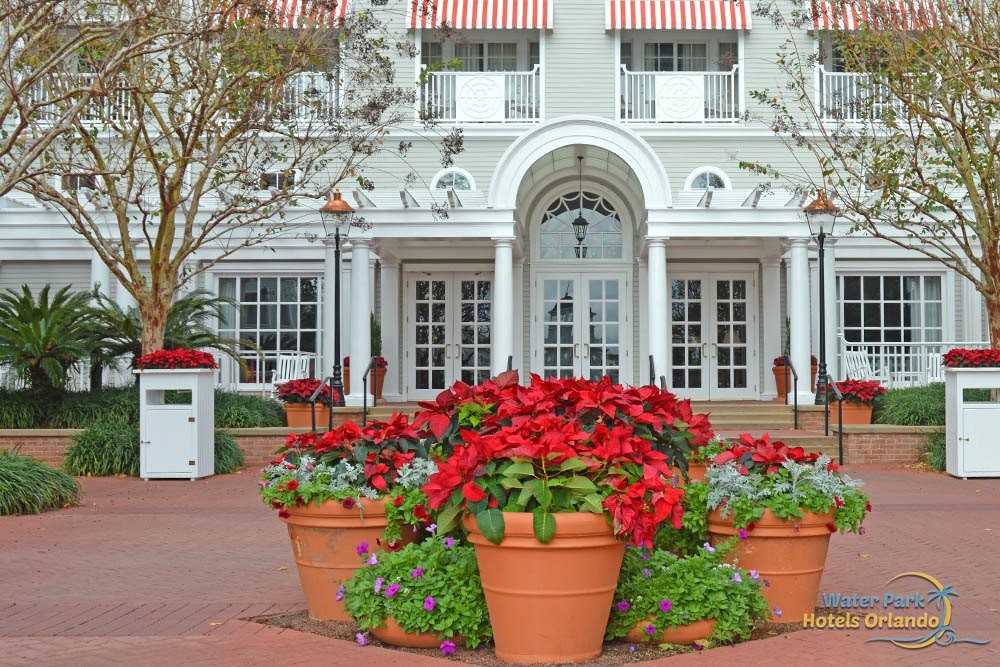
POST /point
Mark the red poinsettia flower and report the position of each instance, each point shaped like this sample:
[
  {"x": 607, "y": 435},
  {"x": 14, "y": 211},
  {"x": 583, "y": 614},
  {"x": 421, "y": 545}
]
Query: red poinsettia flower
[
  {"x": 173, "y": 359},
  {"x": 961, "y": 358},
  {"x": 859, "y": 391}
]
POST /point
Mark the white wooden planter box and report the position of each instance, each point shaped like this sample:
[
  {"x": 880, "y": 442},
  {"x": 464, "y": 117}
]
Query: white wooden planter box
[
  {"x": 972, "y": 428},
  {"x": 176, "y": 440}
]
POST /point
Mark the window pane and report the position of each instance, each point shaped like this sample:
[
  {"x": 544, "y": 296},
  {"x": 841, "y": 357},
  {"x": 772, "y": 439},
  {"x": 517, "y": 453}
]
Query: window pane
[{"x": 692, "y": 57}]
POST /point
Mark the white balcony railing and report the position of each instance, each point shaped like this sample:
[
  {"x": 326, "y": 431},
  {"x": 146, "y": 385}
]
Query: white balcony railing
[
  {"x": 680, "y": 97},
  {"x": 311, "y": 97},
  {"x": 482, "y": 97},
  {"x": 852, "y": 97},
  {"x": 898, "y": 365},
  {"x": 112, "y": 107}
]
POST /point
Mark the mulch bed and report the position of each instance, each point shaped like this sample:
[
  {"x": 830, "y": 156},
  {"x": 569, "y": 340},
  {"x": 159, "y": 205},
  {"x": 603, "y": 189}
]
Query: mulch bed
[{"x": 615, "y": 652}]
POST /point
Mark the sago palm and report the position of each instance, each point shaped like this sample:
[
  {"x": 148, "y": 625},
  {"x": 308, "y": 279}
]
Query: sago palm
[{"x": 42, "y": 339}]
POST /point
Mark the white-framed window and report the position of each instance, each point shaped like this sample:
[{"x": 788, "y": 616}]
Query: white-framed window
[
  {"x": 279, "y": 313},
  {"x": 703, "y": 178},
  {"x": 898, "y": 308},
  {"x": 455, "y": 178},
  {"x": 481, "y": 51},
  {"x": 663, "y": 54},
  {"x": 279, "y": 180},
  {"x": 604, "y": 238},
  {"x": 487, "y": 56},
  {"x": 431, "y": 53}
]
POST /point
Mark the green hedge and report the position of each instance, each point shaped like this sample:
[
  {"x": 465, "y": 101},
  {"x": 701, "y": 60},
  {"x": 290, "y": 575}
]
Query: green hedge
[
  {"x": 85, "y": 409},
  {"x": 28, "y": 486},
  {"x": 917, "y": 406},
  {"x": 21, "y": 409},
  {"x": 228, "y": 455},
  {"x": 933, "y": 453},
  {"x": 239, "y": 411}
]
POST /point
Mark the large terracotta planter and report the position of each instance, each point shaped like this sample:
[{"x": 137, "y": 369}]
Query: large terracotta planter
[
  {"x": 682, "y": 634},
  {"x": 380, "y": 376},
  {"x": 395, "y": 635},
  {"x": 300, "y": 414},
  {"x": 325, "y": 541},
  {"x": 854, "y": 413},
  {"x": 779, "y": 380},
  {"x": 549, "y": 602},
  {"x": 790, "y": 555},
  {"x": 696, "y": 473}
]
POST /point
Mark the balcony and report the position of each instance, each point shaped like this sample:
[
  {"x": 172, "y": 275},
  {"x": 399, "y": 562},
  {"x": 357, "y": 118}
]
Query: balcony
[
  {"x": 482, "y": 97},
  {"x": 680, "y": 97},
  {"x": 311, "y": 97},
  {"x": 111, "y": 108},
  {"x": 852, "y": 97}
]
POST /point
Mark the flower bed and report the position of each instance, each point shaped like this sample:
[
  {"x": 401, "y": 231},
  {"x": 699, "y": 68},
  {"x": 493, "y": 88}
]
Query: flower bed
[
  {"x": 298, "y": 392},
  {"x": 859, "y": 392},
  {"x": 962, "y": 358},
  {"x": 174, "y": 359}
]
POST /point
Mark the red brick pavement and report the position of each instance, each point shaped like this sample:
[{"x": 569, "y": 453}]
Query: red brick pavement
[{"x": 160, "y": 573}]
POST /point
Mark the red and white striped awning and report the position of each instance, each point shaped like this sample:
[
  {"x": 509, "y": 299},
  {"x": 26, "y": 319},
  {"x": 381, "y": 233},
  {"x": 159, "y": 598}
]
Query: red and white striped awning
[
  {"x": 677, "y": 15},
  {"x": 295, "y": 13},
  {"x": 851, "y": 15},
  {"x": 470, "y": 14}
]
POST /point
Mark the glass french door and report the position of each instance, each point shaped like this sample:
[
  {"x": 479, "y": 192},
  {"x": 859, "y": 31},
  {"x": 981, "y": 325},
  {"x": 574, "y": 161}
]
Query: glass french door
[
  {"x": 449, "y": 330},
  {"x": 713, "y": 335},
  {"x": 582, "y": 328}
]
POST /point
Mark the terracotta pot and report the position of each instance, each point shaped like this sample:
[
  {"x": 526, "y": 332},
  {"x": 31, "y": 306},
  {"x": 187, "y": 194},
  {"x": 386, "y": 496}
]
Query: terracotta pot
[
  {"x": 790, "y": 555},
  {"x": 779, "y": 380},
  {"x": 682, "y": 634},
  {"x": 380, "y": 376},
  {"x": 854, "y": 413},
  {"x": 696, "y": 473},
  {"x": 549, "y": 602},
  {"x": 325, "y": 541},
  {"x": 395, "y": 635},
  {"x": 300, "y": 414},
  {"x": 347, "y": 379}
]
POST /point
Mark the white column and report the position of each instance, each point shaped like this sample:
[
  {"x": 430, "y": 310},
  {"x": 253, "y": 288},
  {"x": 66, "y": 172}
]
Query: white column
[
  {"x": 832, "y": 311},
  {"x": 643, "y": 360},
  {"x": 773, "y": 324},
  {"x": 798, "y": 313},
  {"x": 657, "y": 308},
  {"x": 361, "y": 348},
  {"x": 100, "y": 274},
  {"x": 503, "y": 303},
  {"x": 329, "y": 312},
  {"x": 390, "y": 329}
]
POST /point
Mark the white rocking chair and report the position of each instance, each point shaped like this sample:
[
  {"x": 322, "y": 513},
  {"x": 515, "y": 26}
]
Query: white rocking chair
[{"x": 289, "y": 367}]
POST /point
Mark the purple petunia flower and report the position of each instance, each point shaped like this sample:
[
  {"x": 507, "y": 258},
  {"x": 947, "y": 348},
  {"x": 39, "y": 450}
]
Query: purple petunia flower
[
  {"x": 431, "y": 528},
  {"x": 633, "y": 647},
  {"x": 362, "y": 548},
  {"x": 623, "y": 606},
  {"x": 644, "y": 556},
  {"x": 650, "y": 629},
  {"x": 378, "y": 584},
  {"x": 755, "y": 575},
  {"x": 415, "y": 574},
  {"x": 372, "y": 560},
  {"x": 646, "y": 573},
  {"x": 449, "y": 543},
  {"x": 340, "y": 593},
  {"x": 777, "y": 612},
  {"x": 362, "y": 639},
  {"x": 737, "y": 578},
  {"x": 698, "y": 647},
  {"x": 767, "y": 584},
  {"x": 429, "y": 603},
  {"x": 666, "y": 605},
  {"x": 743, "y": 534},
  {"x": 392, "y": 590},
  {"x": 447, "y": 647},
  {"x": 709, "y": 548}
]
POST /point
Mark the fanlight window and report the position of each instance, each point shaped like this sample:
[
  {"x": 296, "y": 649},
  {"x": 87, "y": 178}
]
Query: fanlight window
[
  {"x": 453, "y": 179},
  {"x": 707, "y": 179},
  {"x": 604, "y": 228}
]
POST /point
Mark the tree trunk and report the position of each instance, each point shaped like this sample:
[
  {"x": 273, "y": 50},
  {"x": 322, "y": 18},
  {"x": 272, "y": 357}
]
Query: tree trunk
[
  {"x": 993, "y": 318},
  {"x": 40, "y": 380},
  {"x": 153, "y": 307}
]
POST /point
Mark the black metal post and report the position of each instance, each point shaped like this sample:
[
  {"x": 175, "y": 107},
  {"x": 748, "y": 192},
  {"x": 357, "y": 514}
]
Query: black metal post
[
  {"x": 337, "y": 383},
  {"x": 821, "y": 374}
]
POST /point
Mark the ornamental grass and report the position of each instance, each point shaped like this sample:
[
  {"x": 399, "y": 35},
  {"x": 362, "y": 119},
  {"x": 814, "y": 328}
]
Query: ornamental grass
[{"x": 28, "y": 486}]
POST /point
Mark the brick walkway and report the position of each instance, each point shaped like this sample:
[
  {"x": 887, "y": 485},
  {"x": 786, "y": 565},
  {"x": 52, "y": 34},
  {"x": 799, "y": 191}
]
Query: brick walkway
[{"x": 161, "y": 573}]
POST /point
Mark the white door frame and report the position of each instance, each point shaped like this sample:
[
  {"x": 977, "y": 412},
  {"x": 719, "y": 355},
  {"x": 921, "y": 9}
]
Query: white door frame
[{"x": 710, "y": 343}]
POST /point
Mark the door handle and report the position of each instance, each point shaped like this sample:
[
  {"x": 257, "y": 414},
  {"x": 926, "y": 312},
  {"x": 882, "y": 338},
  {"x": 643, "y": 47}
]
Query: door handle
[
  {"x": 704, "y": 350},
  {"x": 458, "y": 351},
  {"x": 576, "y": 349},
  {"x": 715, "y": 350},
  {"x": 447, "y": 350},
  {"x": 586, "y": 350}
]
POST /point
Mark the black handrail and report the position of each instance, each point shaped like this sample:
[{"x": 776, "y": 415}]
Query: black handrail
[
  {"x": 652, "y": 371},
  {"x": 663, "y": 382},
  {"x": 328, "y": 381},
  {"x": 510, "y": 362},
  {"x": 830, "y": 384},
  {"x": 795, "y": 392},
  {"x": 372, "y": 363}
]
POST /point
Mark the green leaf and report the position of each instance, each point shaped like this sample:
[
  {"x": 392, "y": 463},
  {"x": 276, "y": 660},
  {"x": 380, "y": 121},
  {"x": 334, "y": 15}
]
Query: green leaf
[
  {"x": 510, "y": 483},
  {"x": 479, "y": 505},
  {"x": 491, "y": 524},
  {"x": 544, "y": 525},
  {"x": 593, "y": 503},
  {"x": 498, "y": 492},
  {"x": 572, "y": 465},
  {"x": 581, "y": 483},
  {"x": 447, "y": 519},
  {"x": 519, "y": 468}
]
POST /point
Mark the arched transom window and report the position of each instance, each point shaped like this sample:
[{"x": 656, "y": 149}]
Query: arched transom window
[{"x": 603, "y": 239}]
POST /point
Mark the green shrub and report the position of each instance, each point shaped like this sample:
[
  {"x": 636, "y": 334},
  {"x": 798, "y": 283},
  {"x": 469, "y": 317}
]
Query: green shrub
[
  {"x": 85, "y": 409},
  {"x": 228, "y": 455},
  {"x": 933, "y": 452},
  {"x": 234, "y": 410},
  {"x": 104, "y": 449},
  {"x": 21, "y": 409},
  {"x": 28, "y": 486},
  {"x": 917, "y": 406}
]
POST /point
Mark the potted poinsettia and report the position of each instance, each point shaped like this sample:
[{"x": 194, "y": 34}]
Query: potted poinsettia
[
  {"x": 295, "y": 394},
  {"x": 550, "y": 480},
  {"x": 859, "y": 397},
  {"x": 425, "y": 595},
  {"x": 352, "y": 486},
  {"x": 697, "y": 599},
  {"x": 785, "y": 504},
  {"x": 778, "y": 368}
]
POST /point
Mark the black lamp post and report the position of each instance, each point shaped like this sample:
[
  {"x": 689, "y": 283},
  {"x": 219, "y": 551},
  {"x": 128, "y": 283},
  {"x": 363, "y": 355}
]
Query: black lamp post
[
  {"x": 821, "y": 216},
  {"x": 340, "y": 215},
  {"x": 580, "y": 224}
]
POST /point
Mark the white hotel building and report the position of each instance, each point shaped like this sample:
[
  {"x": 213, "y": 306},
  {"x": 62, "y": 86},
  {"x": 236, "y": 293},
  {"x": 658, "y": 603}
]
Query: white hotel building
[{"x": 628, "y": 113}]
